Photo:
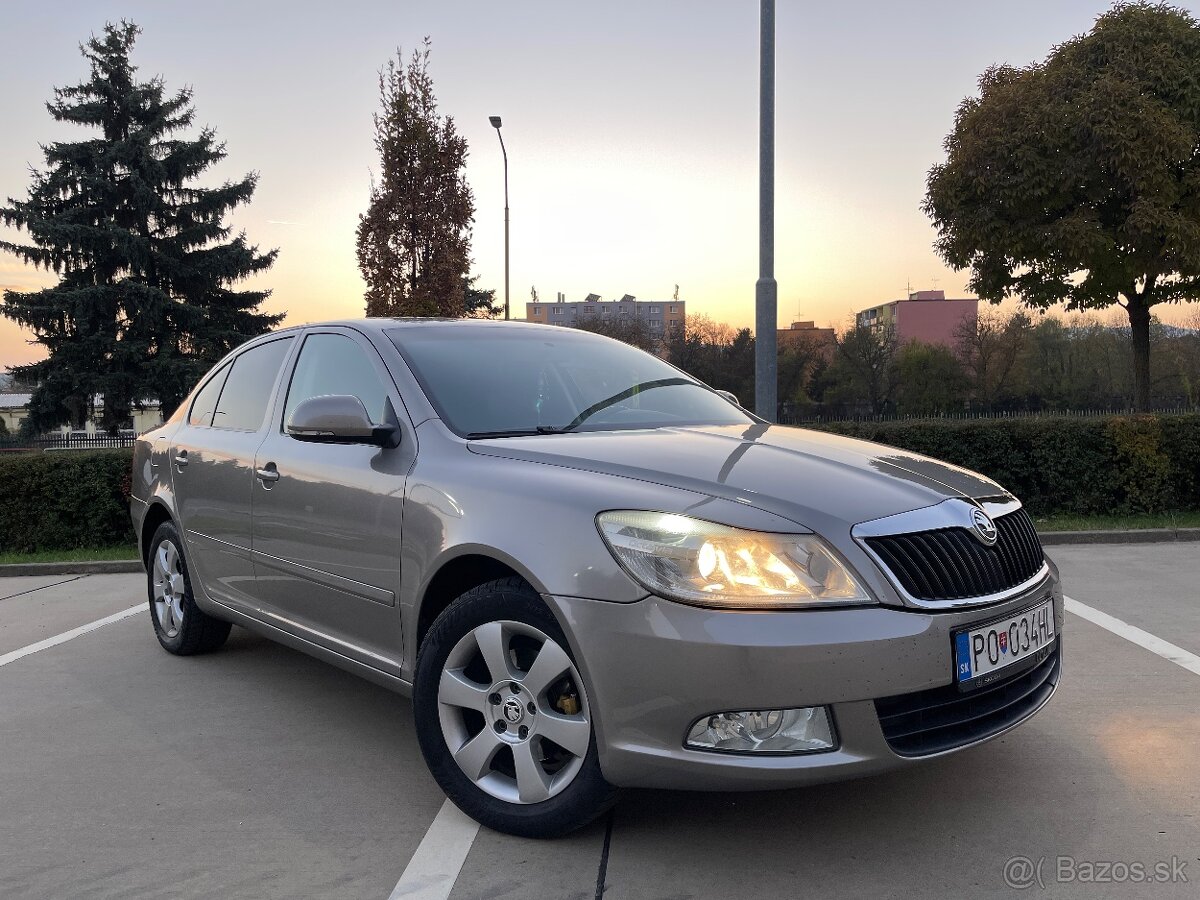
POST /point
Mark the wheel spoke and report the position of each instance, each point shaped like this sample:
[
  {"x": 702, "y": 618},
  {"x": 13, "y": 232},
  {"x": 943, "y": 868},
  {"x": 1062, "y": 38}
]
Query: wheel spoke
[
  {"x": 172, "y": 558},
  {"x": 533, "y": 784},
  {"x": 161, "y": 560},
  {"x": 177, "y": 610},
  {"x": 476, "y": 755},
  {"x": 458, "y": 690},
  {"x": 167, "y": 616},
  {"x": 572, "y": 733},
  {"x": 531, "y": 728},
  {"x": 493, "y": 644},
  {"x": 552, "y": 661},
  {"x": 160, "y": 590}
]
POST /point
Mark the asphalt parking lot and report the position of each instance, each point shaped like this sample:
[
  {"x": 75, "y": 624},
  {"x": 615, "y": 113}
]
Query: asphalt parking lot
[{"x": 259, "y": 772}]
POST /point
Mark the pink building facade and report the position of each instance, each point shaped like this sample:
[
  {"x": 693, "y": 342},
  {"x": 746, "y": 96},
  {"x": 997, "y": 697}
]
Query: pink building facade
[{"x": 926, "y": 316}]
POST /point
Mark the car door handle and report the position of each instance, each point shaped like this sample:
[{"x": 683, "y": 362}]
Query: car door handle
[
  {"x": 267, "y": 474},
  {"x": 181, "y": 458}
]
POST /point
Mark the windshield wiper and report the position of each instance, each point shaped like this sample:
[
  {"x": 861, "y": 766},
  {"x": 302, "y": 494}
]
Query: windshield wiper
[
  {"x": 617, "y": 398},
  {"x": 587, "y": 413},
  {"x": 515, "y": 432}
]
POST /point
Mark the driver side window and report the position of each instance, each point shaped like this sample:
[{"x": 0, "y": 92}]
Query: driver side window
[{"x": 335, "y": 364}]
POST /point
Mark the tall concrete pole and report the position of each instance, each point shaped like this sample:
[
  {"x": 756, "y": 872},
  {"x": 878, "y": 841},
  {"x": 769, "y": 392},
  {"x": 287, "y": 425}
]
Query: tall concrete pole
[
  {"x": 766, "y": 291},
  {"x": 496, "y": 123},
  {"x": 505, "y": 152}
]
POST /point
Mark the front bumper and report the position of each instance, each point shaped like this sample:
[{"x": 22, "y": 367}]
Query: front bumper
[{"x": 655, "y": 666}]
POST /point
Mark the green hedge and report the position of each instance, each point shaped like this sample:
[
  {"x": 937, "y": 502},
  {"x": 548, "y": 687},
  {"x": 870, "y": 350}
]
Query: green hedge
[
  {"x": 64, "y": 500},
  {"x": 1084, "y": 466},
  {"x": 1081, "y": 466}
]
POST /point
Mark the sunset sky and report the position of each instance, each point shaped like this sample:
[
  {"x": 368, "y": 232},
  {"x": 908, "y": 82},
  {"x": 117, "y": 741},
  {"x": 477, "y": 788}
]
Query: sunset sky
[{"x": 631, "y": 130}]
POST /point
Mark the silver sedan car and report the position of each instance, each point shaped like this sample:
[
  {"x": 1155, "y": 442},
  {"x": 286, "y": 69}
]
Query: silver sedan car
[{"x": 588, "y": 569}]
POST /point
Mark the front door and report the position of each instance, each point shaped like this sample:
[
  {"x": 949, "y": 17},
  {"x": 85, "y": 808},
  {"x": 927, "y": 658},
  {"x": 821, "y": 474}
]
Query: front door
[
  {"x": 327, "y": 516},
  {"x": 212, "y": 469}
]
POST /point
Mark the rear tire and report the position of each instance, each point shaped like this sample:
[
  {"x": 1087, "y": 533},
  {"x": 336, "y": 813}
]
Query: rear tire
[
  {"x": 495, "y": 675},
  {"x": 180, "y": 625}
]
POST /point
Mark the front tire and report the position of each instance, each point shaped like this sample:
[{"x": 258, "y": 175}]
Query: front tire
[
  {"x": 503, "y": 717},
  {"x": 180, "y": 625}
]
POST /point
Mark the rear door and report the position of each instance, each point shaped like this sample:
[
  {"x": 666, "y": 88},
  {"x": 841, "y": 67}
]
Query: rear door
[
  {"x": 212, "y": 469},
  {"x": 327, "y": 517}
]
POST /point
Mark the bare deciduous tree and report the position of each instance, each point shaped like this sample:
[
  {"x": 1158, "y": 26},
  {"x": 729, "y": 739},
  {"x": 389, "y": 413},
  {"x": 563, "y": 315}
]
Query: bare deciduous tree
[{"x": 990, "y": 347}]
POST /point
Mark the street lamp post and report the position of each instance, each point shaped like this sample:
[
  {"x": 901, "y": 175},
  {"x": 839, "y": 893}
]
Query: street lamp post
[
  {"x": 495, "y": 120},
  {"x": 766, "y": 290}
]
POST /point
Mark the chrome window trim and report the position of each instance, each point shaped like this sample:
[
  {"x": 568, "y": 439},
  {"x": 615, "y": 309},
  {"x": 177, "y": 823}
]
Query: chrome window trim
[{"x": 952, "y": 513}]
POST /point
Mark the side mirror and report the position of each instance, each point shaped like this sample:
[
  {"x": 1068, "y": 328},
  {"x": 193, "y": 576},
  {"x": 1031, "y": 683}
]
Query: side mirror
[
  {"x": 730, "y": 396},
  {"x": 339, "y": 419}
]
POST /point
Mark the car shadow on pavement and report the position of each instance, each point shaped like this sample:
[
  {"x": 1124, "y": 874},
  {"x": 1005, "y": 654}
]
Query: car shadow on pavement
[{"x": 956, "y": 819}]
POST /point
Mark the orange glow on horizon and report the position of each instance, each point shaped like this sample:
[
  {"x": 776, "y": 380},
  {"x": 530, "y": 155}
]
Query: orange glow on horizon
[{"x": 630, "y": 177}]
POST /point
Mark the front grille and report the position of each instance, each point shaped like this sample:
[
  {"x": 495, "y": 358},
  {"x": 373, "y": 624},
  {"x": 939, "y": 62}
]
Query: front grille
[
  {"x": 943, "y": 718},
  {"x": 952, "y": 564}
]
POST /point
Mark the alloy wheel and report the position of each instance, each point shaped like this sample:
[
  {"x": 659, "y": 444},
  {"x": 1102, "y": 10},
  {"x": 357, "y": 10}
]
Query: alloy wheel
[
  {"x": 513, "y": 712},
  {"x": 169, "y": 588}
]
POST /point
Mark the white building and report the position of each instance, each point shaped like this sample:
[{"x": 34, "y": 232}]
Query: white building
[{"x": 14, "y": 407}]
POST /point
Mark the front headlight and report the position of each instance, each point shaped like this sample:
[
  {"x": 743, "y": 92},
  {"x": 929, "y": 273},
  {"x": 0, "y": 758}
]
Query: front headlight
[{"x": 706, "y": 564}]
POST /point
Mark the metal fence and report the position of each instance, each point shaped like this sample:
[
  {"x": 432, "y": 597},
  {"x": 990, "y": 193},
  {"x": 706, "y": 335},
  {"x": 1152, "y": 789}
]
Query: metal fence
[
  {"x": 98, "y": 441},
  {"x": 787, "y": 417},
  {"x": 71, "y": 441}
]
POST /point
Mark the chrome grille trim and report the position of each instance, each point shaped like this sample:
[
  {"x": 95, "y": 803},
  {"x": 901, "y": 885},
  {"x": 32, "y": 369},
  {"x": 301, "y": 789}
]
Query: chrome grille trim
[{"x": 930, "y": 548}]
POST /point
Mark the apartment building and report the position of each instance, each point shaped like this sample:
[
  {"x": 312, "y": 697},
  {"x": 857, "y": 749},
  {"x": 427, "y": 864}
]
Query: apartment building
[
  {"x": 806, "y": 335},
  {"x": 926, "y": 316},
  {"x": 660, "y": 316}
]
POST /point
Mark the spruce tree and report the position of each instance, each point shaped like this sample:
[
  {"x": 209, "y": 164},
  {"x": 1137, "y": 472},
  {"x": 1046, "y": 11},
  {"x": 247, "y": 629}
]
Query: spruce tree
[
  {"x": 479, "y": 303},
  {"x": 414, "y": 239},
  {"x": 145, "y": 301}
]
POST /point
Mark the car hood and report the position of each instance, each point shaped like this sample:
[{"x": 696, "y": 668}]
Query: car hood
[{"x": 816, "y": 479}]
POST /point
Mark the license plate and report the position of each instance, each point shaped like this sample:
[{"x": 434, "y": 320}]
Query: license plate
[{"x": 984, "y": 653}]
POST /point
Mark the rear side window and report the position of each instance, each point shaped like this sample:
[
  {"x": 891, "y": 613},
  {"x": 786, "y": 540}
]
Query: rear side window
[
  {"x": 243, "y": 403},
  {"x": 205, "y": 403},
  {"x": 335, "y": 364}
]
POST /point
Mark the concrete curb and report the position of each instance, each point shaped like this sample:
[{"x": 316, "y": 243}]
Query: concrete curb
[
  {"x": 106, "y": 567},
  {"x": 1133, "y": 536}
]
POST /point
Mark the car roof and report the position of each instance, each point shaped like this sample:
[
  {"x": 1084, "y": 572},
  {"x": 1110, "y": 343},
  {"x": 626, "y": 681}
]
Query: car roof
[{"x": 379, "y": 324}]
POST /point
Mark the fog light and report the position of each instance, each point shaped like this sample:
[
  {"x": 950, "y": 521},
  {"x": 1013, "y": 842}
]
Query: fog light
[{"x": 804, "y": 730}]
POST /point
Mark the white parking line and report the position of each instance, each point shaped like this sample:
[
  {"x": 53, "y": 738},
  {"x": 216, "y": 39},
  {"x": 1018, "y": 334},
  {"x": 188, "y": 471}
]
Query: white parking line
[
  {"x": 68, "y": 635},
  {"x": 433, "y": 869},
  {"x": 1168, "y": 651}
]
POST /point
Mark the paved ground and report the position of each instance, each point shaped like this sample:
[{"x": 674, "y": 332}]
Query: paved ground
[{"x": 258, "y": 772}]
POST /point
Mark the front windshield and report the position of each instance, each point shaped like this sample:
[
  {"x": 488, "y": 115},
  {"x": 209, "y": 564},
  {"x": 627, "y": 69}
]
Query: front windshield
[{"x": 494, "y": 381}]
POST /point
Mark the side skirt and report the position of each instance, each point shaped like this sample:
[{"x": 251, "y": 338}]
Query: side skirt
[{"x": 391, "y": 682}]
